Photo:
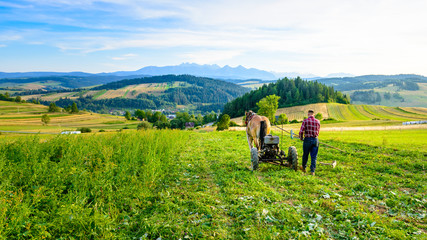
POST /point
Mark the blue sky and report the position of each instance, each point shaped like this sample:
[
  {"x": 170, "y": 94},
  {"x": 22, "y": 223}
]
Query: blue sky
[{"x": 306, "y": 36}]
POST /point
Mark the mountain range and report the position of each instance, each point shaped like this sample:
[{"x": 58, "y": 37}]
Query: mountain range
[{"x": 211, "y": 71}]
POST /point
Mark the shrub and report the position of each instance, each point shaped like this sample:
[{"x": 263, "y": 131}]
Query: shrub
[
  {"x": 125, "y": 127},
  {"x": 84, "y": 130},
  {"x": 144, "y": 125},
  {"x": 101, "y": 130},
  {"x": 294, "y": 121},
  {"x": 318, "y": 116},
  {"x": 45, "y": 119},
  {"x": 233, "y": 124},
  {"x": 283, "y": 119}
]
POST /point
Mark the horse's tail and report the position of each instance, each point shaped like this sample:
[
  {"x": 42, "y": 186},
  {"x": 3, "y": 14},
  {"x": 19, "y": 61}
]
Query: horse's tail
[{"x": 262, "y": 133}]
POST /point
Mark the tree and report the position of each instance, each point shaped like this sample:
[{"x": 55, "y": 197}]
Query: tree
[
  {"x": 53, "y": 107},
  {"x": 45, "y": 119},
  {"x": 18, "y": 99},
  {"x": 128, "y": 116},
  {"x": 177, "y": 124},
  {"x": 319, "y": 116},
  {"x": 74, "y": 108},
  {"x": 268, "y": 107},
  {"x": 140, "y": 114},
  {"x": 283, "y": 119},
  {"x": 224, "y": 123}
]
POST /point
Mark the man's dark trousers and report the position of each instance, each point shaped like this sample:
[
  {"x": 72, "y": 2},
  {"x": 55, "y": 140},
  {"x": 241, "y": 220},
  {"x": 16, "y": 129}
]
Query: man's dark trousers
[{"x": 310, "y": 146}]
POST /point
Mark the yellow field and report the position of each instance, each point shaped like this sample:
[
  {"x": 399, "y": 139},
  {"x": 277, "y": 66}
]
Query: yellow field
[{"x": 27, "y": 117}]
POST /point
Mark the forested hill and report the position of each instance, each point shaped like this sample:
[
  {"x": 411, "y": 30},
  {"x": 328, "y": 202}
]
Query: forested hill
[
  {"x": 158, "y": 92},
  {"x": 369, "y": 82},
  {"x": 198, "y": 81},
  {"x": 292, "y": 92}
]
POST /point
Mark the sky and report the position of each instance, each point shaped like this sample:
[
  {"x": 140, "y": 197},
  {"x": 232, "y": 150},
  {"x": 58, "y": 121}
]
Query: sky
[{"x": 306, "y": 36}]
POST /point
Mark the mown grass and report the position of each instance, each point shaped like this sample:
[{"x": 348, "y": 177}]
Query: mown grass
[{"x": 189, "y": 185}]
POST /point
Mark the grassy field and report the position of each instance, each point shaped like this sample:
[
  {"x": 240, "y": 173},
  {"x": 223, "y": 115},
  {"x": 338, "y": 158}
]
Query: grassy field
[
  {"x": 355, "y": 115},
  {"x": 197, "y": 185},
  {"x": 27, "y": 117}
]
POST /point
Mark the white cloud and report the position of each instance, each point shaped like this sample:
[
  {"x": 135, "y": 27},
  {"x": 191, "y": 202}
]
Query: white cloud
[
  {"x": 3, "y": 45},
  {"x": 125, "y": 57}
]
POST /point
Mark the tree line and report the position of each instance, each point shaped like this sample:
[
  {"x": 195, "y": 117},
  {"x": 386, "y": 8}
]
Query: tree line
[{"x": 292, "y": 92}]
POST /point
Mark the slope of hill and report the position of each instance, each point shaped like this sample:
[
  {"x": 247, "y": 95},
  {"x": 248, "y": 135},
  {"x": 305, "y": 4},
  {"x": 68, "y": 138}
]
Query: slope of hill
[
  {"x": 357, "y": 113},
  {"x": 27, "y": 117},
  {"x": 58, "y": 82},
  {"x": 158, "y": 92},
  {"x": 291, "y": 92},
  {"x": 390, "y": 90}
]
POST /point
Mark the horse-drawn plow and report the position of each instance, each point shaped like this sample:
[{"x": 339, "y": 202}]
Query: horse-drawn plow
[{"x": 271, "y": 153}]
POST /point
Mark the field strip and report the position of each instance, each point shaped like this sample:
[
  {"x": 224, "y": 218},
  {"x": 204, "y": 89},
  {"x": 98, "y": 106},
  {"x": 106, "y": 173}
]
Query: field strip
[
  {"x": 355, "y": 111},
  {"x": 375, "y": 128},
  {"x": 99, "y": 94},
  {"x": 401, "y": 113}
]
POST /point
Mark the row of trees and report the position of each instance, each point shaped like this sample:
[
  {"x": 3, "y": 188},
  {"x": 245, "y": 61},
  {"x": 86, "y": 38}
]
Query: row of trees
[
  {"x": 372, "y": 97},
  {"x": 7, "y": 97},
  {"x": 292, "y": 92},
  {"x": 160, "y": 120},
  {"x": 70, "y": 108}
]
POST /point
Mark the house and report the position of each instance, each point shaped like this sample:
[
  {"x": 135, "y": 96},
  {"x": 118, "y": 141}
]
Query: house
[{"x": 189, "y": 125}]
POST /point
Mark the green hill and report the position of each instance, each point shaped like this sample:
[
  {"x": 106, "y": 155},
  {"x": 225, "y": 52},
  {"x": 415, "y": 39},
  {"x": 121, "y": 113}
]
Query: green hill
[
  {"x": 160, "y": 92},
  {"x": 407, "y": 90},
  {"x": 292, "y": 92}
]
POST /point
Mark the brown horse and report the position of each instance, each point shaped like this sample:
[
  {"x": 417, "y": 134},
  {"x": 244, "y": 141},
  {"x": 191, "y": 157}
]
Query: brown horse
[{"x": 253, "y": 127}]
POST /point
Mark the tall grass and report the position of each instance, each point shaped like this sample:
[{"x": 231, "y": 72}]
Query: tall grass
[{"x": 82, "y": 187}]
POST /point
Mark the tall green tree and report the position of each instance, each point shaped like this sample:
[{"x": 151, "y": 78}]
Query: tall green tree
[
  {"x": 268, "y": 107},
  {"x": 74, "y": 108},
  {"x": 140, "y": 114},
  {"x": 128, "y": 116},
  {"x": 223, "y": 123},
  {"x": 53, "y": 107}
]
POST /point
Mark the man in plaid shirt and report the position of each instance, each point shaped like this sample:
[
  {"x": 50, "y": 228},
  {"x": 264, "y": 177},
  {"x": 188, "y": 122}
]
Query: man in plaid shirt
[{"x": 309, "y": 132}]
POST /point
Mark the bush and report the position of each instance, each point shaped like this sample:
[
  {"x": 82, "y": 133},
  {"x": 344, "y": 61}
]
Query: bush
[
  {"x": 294, "y": 121},
  {"x": 101, "y": 130},
  {"x": 318, "y": 116},
  {"x": 45, "y": 119},
  {"x": 84, "y": 130},
  {"x": 125, "y": 127},
  {"x": 283, "y": 119},
  {"x": 233, "y": 124},
  {"x": 144, "y": 125}
]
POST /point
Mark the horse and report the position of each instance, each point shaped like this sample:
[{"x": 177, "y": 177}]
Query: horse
[{"x": 253, "y": 128}]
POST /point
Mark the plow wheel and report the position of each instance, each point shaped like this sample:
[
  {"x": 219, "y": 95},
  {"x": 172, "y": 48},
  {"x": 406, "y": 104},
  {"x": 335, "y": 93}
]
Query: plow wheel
[
  {"x": 293, "y": 158},
  {"x": 254, "y": 158}
]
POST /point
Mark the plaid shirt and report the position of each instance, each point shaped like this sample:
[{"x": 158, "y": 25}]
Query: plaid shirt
[{"x": 310, "y": 127}]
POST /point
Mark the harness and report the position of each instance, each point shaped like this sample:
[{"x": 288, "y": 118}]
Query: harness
[{"x": 249, "y": 118}]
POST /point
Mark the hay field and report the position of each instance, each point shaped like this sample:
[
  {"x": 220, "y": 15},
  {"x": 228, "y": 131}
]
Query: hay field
[{"x": 27, "y": 117}]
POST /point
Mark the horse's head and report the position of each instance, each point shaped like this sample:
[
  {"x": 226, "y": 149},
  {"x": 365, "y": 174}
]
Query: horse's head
[{"x": 248, "y": 116}]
